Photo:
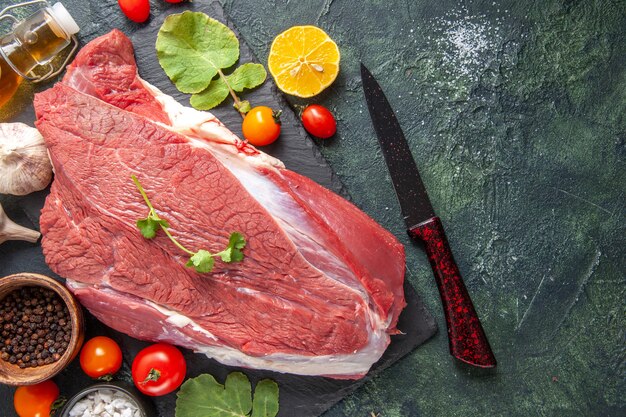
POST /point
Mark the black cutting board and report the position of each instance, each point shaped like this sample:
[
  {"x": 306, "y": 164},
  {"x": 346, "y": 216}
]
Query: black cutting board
[{"x": 300, "y": 396}]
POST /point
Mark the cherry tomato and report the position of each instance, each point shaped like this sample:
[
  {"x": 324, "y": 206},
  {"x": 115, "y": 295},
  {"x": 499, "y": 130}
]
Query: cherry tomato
[
  {"x": 261, "y": 126},
  {"x": 100, "y": 356},
  {"x": 35, "y": 400},
  {"x": 319, "y": 121},
  {"x": 136, "y": 10},
  {"x": 158, "y": 369}
]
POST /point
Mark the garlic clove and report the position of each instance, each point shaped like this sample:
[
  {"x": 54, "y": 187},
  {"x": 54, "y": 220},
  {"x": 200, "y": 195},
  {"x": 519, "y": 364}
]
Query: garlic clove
[
  {"x": 24, "y": 163},
  {"x": 9, "y": 230}
]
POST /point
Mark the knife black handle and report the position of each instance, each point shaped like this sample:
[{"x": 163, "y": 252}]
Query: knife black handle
[{"x": 467, "y": 338}]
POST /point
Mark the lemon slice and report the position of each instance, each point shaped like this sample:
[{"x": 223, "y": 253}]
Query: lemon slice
[{"x": 303, "y": 60}]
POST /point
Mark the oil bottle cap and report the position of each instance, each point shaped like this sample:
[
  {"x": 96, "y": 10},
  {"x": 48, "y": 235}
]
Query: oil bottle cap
[{"x": 64, "y": 19}]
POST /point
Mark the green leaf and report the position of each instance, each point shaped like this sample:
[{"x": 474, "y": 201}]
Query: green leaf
[
  {"x": 150, "y": 225},
  {"x": 246, "y": 76},
  {"x": 238, "y": 385},
  {"x": 203, "y": 396},
  {"x": 192, "y": 47},
  {"x": 237, "y": 242},
  {"x": 265, "y": 402},
  {"x": 233, "y": 252},
  {"x": 211, "y": 97},
  {"x": 202, "y": 261}
]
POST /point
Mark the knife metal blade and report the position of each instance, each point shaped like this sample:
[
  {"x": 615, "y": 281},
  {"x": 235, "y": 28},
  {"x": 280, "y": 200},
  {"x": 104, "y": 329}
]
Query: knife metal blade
[
  {"x": 410, "y": 190},
  {"x": 466, "y": 336}
]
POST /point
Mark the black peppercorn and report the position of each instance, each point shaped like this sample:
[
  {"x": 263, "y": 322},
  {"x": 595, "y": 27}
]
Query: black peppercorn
[{"x": 35, "y": 327}]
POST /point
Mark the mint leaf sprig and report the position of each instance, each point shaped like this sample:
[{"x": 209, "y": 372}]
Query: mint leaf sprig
[{"x": 202, "y": 261}]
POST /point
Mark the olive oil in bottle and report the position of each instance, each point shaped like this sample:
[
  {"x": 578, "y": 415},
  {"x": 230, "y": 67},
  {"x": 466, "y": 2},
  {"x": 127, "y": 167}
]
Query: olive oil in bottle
[
  {"x": 33, "y": 42},
  {"x": 9, "y": 81}
]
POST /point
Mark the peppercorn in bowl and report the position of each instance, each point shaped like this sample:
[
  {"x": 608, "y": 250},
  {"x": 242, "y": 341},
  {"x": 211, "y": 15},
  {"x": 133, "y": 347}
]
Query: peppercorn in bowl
[{"x": 41, "y": 328}]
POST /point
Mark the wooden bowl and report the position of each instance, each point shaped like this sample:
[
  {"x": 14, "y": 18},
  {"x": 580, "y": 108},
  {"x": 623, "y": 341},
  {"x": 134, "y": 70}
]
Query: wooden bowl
[{"x": 14, "y": 375}]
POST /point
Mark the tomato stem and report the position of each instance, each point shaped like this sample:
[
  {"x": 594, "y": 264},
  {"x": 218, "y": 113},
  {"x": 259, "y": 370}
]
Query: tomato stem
[
  {"x": 57, "y": 404},
  {"x": 299, "y": 108},
  {"x": 153, "y": 375},
  {"x": 276, "y": 116}
]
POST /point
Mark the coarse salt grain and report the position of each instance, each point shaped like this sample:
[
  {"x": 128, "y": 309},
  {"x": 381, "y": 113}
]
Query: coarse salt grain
[{"x": 106, "y": 403}]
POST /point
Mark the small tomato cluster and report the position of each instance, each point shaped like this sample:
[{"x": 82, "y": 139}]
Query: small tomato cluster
[
  {"x": 261, "y": 126},
  {"x": 157, "y": 370}
]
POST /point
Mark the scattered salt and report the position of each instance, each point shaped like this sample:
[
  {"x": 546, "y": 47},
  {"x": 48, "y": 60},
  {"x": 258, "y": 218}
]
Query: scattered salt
[
  {"x": 106, "y": 403},
  {"x": 467, "y": 44}
]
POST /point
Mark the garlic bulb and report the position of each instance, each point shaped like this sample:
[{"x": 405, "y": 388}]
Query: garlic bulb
[
  {"x": 12, "y": 231},
  {"x": 24, "y": 163}
]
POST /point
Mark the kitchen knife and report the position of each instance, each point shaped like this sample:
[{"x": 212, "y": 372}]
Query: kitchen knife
[{"x": 467, "y": 338}]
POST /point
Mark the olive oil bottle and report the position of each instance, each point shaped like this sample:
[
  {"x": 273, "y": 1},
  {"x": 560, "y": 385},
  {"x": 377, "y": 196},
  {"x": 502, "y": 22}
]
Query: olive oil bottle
[
  {"x": 33, "y": 42},
  {"x": 9, "y": 81}
]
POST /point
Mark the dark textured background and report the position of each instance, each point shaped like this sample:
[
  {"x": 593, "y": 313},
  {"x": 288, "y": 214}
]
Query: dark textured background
[{"x": 515, "y": 114}]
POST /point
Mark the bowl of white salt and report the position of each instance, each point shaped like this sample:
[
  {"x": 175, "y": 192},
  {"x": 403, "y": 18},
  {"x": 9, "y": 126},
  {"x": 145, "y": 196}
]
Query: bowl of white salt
[{"x": 108, "y": 399}]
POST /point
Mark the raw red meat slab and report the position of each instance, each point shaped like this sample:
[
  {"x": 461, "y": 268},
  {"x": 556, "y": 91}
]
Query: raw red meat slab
[{"x": 320, "y": 289}]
